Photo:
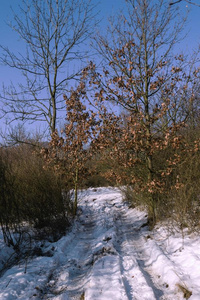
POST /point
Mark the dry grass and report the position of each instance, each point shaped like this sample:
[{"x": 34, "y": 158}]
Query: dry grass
[
  {"x": 82, "y": 296},
  {"x": 186, "y": 293}
]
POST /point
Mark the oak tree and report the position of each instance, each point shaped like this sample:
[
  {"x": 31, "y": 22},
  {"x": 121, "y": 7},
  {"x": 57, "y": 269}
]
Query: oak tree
[
  {"x": 156, "y": 89},
  {"x": 69, "y": 151}
]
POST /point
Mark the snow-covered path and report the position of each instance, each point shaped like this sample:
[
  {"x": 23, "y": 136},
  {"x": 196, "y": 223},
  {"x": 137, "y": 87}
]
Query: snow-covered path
[{"x": 108, "y": 255}]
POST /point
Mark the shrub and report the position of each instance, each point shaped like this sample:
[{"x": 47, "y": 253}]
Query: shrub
[
  {"x": 9, "y": 212},
  {"x": 31, "y": 194},
  {"x": 186, "y": 196}
]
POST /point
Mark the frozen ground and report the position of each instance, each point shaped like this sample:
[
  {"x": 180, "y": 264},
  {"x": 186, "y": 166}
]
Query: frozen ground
[{"x": 108, "y": 254}]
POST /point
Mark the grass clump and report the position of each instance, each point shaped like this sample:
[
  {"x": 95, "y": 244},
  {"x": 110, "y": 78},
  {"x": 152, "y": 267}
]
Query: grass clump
[{"x": 186, "y": 293}]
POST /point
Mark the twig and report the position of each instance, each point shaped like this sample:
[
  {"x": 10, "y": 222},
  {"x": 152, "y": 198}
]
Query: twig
[{"x": 8, "y": 282}]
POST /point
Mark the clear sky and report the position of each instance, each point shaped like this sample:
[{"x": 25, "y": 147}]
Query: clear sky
[
  {"x": 106, "y": 8},
  {"x": 9, "y": 38}
]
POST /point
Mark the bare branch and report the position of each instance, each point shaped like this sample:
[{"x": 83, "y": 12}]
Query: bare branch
[
  {"x": 54, "y": 33},
  {"x": 187, "y": 1}
]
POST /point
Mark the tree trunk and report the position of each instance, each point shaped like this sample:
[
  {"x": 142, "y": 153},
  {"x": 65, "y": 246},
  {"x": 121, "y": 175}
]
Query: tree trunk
[{"x": 75, "y": 193}]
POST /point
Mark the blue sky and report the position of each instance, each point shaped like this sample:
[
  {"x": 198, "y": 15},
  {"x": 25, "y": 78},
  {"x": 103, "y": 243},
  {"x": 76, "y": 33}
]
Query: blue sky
[
  {"x": 9, "y": 38},
  {"x": 106, "y": 7}
]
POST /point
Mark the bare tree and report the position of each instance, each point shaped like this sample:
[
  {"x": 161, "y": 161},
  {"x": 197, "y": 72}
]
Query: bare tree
[{"x": 55, "y": 33}]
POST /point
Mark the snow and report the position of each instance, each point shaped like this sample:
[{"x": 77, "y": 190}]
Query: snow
[{"x": 109, "y": 253}]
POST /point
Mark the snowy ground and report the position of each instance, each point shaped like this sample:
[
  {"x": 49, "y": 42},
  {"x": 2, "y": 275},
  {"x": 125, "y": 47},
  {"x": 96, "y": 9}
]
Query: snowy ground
[{"x": 108, "y": 254}]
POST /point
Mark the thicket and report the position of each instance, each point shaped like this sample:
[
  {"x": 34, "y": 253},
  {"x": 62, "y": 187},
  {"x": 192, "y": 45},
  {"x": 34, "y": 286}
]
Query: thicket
[
  {"x": 178, "y": 197},
  {"x": 120, "y": 149},
  {"x": 176, "y": 184},
  {"x": 32, "y": 198}
]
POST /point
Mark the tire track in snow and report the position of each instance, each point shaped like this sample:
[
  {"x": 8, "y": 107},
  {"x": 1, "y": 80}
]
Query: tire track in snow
[
  {"x": 73, "y": 262},
  {"x": 107, "y": 255},
  {"x": 134, "y": 283},
  {"x": 87, "y": 248},
  {"x": 137, "y": 280},
  {"x": 105, "y": 258},
  {"x": 135, "y": 244},
  {"x": 106, "y": 280}
]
